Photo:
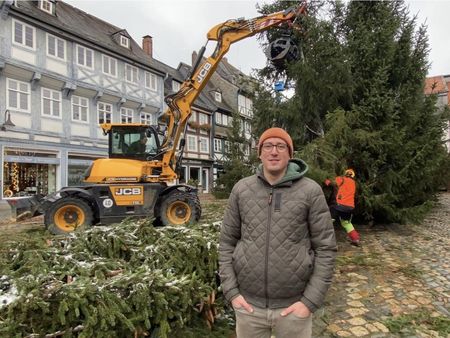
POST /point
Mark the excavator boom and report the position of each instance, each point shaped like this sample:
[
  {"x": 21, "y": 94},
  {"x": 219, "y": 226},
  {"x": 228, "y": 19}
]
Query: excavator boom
[{"x": 225, "y": 34}]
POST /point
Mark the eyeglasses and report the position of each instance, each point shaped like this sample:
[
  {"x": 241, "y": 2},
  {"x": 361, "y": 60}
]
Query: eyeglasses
[{"x": 281, "y": 147}]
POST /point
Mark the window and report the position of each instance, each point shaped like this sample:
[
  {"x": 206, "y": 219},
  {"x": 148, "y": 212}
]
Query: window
[
  {"x": 191, "y": 143},
  {"x": 109, "y": 66},
  {"x": 175, "y": 86},
  {"x": 245, "y": 106},
  {"x": 218, "y": 118},
  {"x": 56, "y": 47},
  {"x": 224, "y": 119},
  {"x": 218, "y": 96},
  {"x": 126, "y": 115},
  {"x": 46, "y": 6},
  {"x": 85, "y": 57},
  {"x": 104, "y": 112},
  {"x": 51, "y": 103},
  {"x": 80, "y": 108},
  {"x": 131, "y": 74},
  {"x": 150, "y": 81},
  {"x": 227, "y": 147},
  {"x": 124, "y": 41},
  {"x": 203, "y": 119},
  {"x": 146, "y": 118},
  {"x": 217, "y": 145},
  {"x": 24, "y": 35},
  {"x": 204, "y": 144},
  {"x": 18, "y": 96}
]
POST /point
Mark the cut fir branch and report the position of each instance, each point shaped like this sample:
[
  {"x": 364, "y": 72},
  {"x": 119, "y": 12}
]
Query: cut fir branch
[{"x": 122, "y": 280}]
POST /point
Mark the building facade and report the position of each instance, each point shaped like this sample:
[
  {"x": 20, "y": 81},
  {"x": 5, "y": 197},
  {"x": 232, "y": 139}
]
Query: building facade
[
  {"x": 62, "y": 72},
  {"x": 440, "y": 85}
]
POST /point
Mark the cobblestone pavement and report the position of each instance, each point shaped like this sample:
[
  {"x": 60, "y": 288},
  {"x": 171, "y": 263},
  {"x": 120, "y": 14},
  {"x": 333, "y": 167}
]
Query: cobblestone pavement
[{"x": 397, "y": 284}]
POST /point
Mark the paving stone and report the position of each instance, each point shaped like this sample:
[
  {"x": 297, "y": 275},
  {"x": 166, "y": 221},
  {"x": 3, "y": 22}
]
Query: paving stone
[
  {"x": 356, "y": 303},
  {"x": 372, "y": 328},
  {"x": 343, "y": 333},
  {"x": 354, "y": 312},
  {"x": 359, "y": 331},
  {"x": 381, "y": 327},
  {"x": 333, "y": 328},
  {"x": 357, "y": 321}
]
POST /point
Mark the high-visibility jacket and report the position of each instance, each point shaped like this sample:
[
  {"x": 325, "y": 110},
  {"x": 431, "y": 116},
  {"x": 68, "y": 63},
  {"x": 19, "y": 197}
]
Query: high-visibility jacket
[{"x": 346, "y": 189}]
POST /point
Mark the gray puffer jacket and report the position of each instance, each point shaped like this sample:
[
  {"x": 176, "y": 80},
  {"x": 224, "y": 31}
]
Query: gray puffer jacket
[{"x": 277, "y": 243}]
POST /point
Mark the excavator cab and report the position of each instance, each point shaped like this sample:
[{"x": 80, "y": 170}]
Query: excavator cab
[{"x": 133, "y": 141}]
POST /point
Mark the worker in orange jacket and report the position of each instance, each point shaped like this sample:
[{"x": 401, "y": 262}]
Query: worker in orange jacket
[{"x": 342, "y": 207}]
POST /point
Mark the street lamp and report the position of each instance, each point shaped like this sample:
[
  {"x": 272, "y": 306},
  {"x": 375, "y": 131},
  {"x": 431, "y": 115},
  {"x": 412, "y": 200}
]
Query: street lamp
[{"x": 8, "y": 123}]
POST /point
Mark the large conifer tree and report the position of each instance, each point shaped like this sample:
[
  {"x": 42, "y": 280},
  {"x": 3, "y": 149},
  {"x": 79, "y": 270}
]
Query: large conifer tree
[{"x": 362, "y": 79}]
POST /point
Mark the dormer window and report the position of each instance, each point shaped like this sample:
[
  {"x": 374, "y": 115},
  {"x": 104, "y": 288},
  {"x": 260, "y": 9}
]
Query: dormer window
[
  {"x": 46, "y": 6},
  {"x": 218, "y": 96},
  {"x": 124, "y": 41}
]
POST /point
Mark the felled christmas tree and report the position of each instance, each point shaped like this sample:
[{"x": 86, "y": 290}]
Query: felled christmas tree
[{"x": 130, "y": 279}]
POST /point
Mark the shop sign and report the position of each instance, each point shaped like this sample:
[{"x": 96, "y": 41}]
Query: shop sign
[{"x": 25, "y": 159}]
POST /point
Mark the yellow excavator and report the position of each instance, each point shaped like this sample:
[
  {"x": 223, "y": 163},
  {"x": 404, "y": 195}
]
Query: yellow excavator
[{"x": 139, "y": 177}]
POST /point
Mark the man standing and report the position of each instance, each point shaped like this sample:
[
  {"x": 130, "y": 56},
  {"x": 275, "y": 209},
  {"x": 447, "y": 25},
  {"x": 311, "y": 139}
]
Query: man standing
[{"x": 277, "y": 245}]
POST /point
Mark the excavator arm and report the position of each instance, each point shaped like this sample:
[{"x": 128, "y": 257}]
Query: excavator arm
[{"x": 179, "y": 104}]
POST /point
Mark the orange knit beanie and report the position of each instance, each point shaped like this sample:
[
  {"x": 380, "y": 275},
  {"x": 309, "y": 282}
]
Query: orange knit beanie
[{"x": 276, "y": 132}]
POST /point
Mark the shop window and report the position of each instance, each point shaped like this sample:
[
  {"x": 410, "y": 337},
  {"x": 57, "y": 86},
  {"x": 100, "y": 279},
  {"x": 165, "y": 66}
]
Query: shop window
[{"x": 26, "y": 179}]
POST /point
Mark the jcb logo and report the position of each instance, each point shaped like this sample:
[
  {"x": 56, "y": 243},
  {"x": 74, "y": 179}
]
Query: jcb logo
[
  {"x": 128, "y": 191},
  {"x": 202, "y": 73}
]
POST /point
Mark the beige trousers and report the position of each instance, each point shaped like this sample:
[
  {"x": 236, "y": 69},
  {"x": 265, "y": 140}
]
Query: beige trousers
[{"x": 263, "y": 323}]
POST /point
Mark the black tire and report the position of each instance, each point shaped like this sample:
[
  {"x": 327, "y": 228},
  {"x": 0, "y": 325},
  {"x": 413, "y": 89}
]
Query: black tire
[
  {"x": 178, "y": 208},
  {"x": 67, "y": 215}
]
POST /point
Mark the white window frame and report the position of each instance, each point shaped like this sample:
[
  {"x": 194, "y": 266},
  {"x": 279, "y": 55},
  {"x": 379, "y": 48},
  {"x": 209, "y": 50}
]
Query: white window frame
[
  {"x": 218, "y": 96},
  {"x": 225, "y": 119},
  {"x": 23, "y": 35},
  {"x": 245, "y": 105},
  {"x": 110, "y": 61},
  {"x": 84, "y": 51},
  {"x": 195, "y": 143},
  {"x": 42, "y": 4},
  {"x": 145, "y": 118},
  {"x": 18, "y": 92},
  {"x": 218, "y": 145},
  {"x": 151, "y": 81},
  {"x": 218, "y": 118},
  {"x": 126, "y": 115},
  {"x": 124, "y": 41},
  {"x": 57, "y": 42},
  {"x": 52, "y": 100},
  {"x": 203, "y": 143},
  {"x": 83, "y": 102},
  {"x": 203, "y": 118},
  {"x": 104, "y": 111},
  {"x": 176, "y": 86},
  {"x": 130, "y": 70}
]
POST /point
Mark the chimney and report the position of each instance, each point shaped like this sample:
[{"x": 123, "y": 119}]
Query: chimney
[
  {"x": 147, "y": 45},
  {"x": 194, "y": 57}
]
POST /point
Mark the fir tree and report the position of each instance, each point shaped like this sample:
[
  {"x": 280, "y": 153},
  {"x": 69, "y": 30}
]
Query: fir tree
[
  {"x": 361, "y": 82},
  {"x": 237, "y": 164}
]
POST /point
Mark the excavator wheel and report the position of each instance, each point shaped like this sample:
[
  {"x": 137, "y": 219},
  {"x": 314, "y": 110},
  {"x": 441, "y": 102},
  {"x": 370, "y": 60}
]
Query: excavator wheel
[
  {"x": 179, "y": 208},
  {"x": 67, "y": 215}
]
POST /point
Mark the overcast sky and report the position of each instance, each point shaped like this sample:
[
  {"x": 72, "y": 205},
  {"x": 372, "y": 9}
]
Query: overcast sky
[{"x": 179, "y": 27}]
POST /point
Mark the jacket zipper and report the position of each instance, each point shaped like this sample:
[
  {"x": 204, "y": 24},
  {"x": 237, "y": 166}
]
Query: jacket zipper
[{"x": 266, "y": 275}]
